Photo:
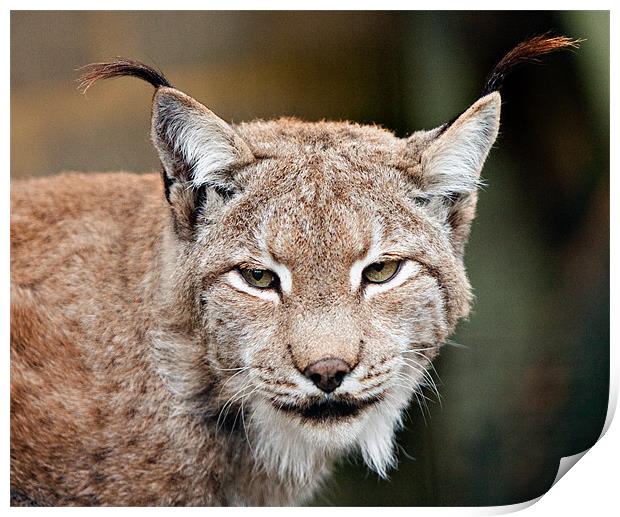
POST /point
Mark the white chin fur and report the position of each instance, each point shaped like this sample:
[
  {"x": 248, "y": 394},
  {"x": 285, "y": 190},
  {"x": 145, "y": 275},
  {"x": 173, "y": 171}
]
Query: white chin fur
[
  {"x": 302, "y": 452},
  {"x": 376, "y": 442}
]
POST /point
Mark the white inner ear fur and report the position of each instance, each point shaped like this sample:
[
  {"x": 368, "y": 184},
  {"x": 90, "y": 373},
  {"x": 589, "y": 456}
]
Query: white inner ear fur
[
  {"x": 202, "y": 138},
  {"x": 453, "y": 162}
]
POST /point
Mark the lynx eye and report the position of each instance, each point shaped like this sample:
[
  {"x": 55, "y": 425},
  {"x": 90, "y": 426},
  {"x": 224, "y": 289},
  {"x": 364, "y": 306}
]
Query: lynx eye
[
  {"x": 260, "y": 278},
  {"x": 380, "y": 272}
]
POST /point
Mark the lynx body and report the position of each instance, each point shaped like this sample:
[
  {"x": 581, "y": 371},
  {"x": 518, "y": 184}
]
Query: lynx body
[{"x": 223, "y": 336}]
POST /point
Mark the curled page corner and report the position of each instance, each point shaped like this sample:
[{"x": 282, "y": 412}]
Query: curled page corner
[
  {"x": 509, "y": 508},
  {"x": 567, "y": 463}
]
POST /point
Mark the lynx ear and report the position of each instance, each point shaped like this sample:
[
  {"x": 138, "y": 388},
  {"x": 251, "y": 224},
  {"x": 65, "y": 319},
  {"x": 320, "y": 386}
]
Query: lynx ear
[
  {"x": 199, "y": 153},
  {"x": 198, "y": 150},
  {"x": 194, "y": 144},
  {"x": 452, "y": 162},
  {"x": 452, "y": 155}
]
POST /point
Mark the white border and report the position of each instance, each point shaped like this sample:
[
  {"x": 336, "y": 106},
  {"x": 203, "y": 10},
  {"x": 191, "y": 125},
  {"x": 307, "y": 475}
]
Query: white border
[{"x": 591, "y": 487}]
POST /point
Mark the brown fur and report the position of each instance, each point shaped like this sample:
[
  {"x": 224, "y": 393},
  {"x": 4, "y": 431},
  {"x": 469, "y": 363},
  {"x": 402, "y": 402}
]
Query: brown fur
[{"x": 128, "y": 329}]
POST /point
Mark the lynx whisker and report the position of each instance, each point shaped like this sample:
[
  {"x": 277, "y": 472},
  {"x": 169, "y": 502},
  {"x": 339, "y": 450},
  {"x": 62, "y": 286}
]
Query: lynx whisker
[
  {"x": 372, "y": 390},
  {"x": 245, "y": 429},
  {"x": 430, "y": 363},
  {"x": 451, "y": 342},
  {"x": 229, "y": 379},
  {"x": 241, "y": 368},
  {"x": 423, "y": 406},
  {"x": 409, "y": 350},
  {"x": 427, "y": 379},
  {"x": 240, "y": 410},
  {"x": 228, "y": 404}
]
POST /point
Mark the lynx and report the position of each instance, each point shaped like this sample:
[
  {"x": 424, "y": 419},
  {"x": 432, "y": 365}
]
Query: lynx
[{"x": 224, "y": 333}]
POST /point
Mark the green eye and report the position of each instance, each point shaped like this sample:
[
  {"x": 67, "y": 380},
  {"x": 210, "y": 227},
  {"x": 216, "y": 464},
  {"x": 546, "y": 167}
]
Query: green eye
[
  {"x": 261, "y": 278},
  {"x": 381, "y": 272}
]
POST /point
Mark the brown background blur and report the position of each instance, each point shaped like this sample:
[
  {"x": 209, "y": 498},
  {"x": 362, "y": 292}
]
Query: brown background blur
[{"x": 531, "y": 385}]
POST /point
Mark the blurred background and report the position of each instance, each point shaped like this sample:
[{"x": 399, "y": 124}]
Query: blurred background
[{"x": 530, "y": 382}]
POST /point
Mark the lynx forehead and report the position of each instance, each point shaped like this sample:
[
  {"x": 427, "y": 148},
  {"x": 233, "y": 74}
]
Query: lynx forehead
[{"x": 275, "y": 308}]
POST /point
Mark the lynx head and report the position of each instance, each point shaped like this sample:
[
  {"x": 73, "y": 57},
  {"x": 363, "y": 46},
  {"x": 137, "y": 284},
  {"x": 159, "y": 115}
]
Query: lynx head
[{"x": 316, "y": 268}]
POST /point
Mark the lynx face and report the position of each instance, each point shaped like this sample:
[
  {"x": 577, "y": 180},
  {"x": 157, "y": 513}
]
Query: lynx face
[
  {"x": 326, "y": 264},
  {"x": 331, "y": 304}
]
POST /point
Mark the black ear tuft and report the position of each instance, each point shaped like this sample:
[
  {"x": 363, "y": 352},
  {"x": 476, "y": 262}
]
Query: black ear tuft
[
  {"x": 118, "y": 68},
  {"x": 524, "y": 52}
]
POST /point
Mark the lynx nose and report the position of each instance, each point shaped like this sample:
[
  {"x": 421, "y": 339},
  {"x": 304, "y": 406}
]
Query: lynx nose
[{"x": 327, "y": 374}]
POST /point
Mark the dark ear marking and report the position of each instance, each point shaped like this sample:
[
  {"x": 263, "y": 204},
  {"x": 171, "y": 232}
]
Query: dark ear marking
[
  {"x": 200, "y": 196},
  {"x": 421, "y": 200},
  {"x": 118, "y": 68},
  {"x": 525, "y": 52},
  {"x": 224, "y": 192},
  {"x": 452, "y": 197},
  {"x": 168, "y": 182}
]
